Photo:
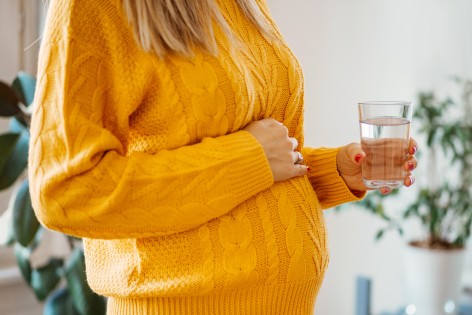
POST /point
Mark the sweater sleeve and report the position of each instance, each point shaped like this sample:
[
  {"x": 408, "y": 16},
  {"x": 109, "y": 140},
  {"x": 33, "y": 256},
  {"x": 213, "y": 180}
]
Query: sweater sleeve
[
  {"x": 325, "y": 179},
  {"x": 83, "y": 182}
]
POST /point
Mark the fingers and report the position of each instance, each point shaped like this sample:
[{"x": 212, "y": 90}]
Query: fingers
[
  {"x": 409, "y": 180},
  {"x": 355, "y": 153},
  {"x": 413, "y": 147},
  {"x": 280, "y": 149},
  {"x": 350, "y": 158},
  {"x": 294, "y": 143},
  {"x": 283, "y": 130},
  {"x": 271, "y": 121},
  {"x": 297, "y": 157},
  {"x": 410, "y": 164},
  {"x": 301, "y": 169},
  {"x": 298, "y": 170},
  {"x": 385, "y": 190}
]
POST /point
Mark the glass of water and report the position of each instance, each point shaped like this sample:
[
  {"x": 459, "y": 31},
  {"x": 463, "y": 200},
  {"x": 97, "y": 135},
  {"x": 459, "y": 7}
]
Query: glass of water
[{"x": 385, "y": 135}]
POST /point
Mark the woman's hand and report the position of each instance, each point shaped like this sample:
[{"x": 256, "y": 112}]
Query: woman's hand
[
  {"x": 349, "y": 162},
  {"x": 279, "y": 148}
]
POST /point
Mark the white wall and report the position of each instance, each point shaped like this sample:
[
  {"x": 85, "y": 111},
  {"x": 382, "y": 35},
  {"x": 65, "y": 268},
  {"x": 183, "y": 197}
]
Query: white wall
[
  {"x": 369, "y": 50},
  {"x": 18, "y": 51},
  {"x": 18, "y": 37}
]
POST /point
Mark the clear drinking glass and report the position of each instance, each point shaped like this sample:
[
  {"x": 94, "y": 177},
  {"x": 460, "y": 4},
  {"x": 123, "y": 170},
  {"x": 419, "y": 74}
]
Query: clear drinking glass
[{"x": 385, "y": 135}]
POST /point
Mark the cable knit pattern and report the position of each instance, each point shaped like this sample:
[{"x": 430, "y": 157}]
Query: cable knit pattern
[
  {"x": 208, "y": 265},
  {"x": 293, "y": 239},
  {"x": 239, "y": 257},
  {"x": 269, "y": 234},
  {"x": 147, "y": 160}
]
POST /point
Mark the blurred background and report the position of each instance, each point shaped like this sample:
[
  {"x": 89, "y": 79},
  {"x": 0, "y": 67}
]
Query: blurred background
[
  {"x": 350, "y": 51},
  {"x": 371, "y": 50}
]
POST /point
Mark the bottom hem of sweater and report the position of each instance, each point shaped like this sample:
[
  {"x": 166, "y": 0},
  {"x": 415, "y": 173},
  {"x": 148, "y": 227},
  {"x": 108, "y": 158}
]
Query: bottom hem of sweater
[{"x": 296, "y": 298}]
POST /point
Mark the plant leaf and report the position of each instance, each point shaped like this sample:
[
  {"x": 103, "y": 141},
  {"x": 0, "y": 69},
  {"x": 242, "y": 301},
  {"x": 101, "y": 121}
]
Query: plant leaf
[
  {"x": 25, "y": 85},
  {"x": 84, "y": 299},
  {"x": 400, "y": 231},
  {"x": 8, "y": 101},
  {"x": 22, "y": 256},
  {"x": 46, "y": 278},
  {"x": 379, "y": 235},
  {"x": 58, "y": 303},
  {"x": 25, "y": 223},
  {"x": 7, "y": 146},
  {"x": 16, "y": 162}
]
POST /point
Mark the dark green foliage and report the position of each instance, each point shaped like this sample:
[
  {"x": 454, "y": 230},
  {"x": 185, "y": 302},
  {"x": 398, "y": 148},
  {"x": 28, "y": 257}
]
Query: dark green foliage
[
  {"x": 15, "y": 160},
  {"x": 8, "y": 142},
  {"x": 22, "y": 255},
  {"x": 84, "y": 299},
  {"x": 8, "y": 101},
  {"x": 45, "y": 279},
  {"x": 60, "y": 302},
  {"x": 73, "y": 296},
  {"x": 25, "y": 223}
]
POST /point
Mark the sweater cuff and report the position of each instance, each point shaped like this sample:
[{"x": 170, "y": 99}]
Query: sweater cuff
[
  {"x": 249, "y": 169},
  {"x": 325, "y": 179}
]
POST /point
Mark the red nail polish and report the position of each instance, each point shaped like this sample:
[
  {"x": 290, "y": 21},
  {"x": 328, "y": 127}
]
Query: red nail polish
[
  {"x": 411, "y": 166},
  {"x": 414, "y": 150},
  {"x": 412, "y": 180},
  {"x": 308, "y": 168},
  {"x": 358, "y": 157}
]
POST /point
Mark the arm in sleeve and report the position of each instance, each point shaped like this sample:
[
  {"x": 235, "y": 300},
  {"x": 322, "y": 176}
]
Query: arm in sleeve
[
  {"x": 83, "y": 182},
  {"x": 325, "y": 179}
]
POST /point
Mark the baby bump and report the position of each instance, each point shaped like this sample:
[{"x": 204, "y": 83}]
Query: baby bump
[{"x": 274, "y": 238}]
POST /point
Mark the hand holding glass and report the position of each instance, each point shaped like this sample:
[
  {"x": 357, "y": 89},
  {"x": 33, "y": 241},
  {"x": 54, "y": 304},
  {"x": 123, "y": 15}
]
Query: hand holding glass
[{"x": 385, "y": 136}]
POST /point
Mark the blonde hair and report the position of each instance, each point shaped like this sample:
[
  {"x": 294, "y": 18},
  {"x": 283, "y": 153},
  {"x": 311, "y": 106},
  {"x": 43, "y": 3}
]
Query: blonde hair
[{"x": 180, "y": 26}]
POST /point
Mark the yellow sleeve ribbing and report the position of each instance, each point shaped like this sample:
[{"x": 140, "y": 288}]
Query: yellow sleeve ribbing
[{"x": 325, "y": 179}]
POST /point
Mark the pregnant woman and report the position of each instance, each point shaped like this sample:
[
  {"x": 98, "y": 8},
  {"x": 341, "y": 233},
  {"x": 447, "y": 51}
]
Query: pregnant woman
[{"x": 168, "y": 134}]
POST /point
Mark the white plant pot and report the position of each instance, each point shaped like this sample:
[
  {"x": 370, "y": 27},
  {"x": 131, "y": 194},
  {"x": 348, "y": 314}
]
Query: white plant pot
[{"x": 433, "y": 279}]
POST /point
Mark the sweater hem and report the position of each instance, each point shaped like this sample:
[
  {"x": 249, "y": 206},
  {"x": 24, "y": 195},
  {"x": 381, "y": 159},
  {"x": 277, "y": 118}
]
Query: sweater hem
[{"x": 297, "y": 298}]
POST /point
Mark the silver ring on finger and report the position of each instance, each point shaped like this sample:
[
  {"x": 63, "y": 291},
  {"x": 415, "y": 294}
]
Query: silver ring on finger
[{"x": 299, "y": 157}]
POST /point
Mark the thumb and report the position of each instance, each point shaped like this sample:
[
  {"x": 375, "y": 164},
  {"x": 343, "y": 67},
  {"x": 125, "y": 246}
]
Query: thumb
[{"x": 349, "y": 159}]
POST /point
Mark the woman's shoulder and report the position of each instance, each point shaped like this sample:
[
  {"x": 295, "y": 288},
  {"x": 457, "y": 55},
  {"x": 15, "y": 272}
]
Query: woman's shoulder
[
  {"x": 85, "y": 14},
  {"x": 95, "y": 28},
  {"x": 89, "y": 22},
  {"x": 95, "y": 13}
]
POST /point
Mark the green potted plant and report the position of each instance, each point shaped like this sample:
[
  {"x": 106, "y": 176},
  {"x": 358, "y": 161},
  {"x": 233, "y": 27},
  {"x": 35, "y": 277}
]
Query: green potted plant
[
  {"x": 442, "y": 206},
  {"x": 19, "y": 225}
]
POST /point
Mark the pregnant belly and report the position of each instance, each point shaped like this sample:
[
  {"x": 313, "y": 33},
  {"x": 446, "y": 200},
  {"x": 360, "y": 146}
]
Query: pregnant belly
[{"x": 275, "y": 238}]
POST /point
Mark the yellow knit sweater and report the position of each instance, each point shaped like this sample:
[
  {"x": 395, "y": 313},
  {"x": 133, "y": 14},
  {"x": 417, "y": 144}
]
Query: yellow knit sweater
[{"x": 146, "y": 159}]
